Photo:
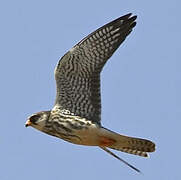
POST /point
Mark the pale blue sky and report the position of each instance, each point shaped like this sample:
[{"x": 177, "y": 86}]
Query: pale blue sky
[{"x": 140, "y": 87}]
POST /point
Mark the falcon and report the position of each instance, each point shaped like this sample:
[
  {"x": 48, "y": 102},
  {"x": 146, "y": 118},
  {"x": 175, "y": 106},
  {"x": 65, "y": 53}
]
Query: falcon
[{"x": 76, "y": 115}]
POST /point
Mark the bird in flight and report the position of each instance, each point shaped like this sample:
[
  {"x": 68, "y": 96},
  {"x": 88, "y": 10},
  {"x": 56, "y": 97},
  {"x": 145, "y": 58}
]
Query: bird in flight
[{"x": 76, "y": 115}]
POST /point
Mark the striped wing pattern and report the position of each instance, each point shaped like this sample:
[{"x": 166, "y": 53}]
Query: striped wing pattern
[{"x": 78, "y": 71}]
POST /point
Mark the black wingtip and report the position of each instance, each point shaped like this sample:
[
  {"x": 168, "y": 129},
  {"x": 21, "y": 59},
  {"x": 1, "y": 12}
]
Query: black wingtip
[
  {"x": 128, "y": 19},
  {"x": 129, "y": 15},
  {"x": 133, "y": 18}
]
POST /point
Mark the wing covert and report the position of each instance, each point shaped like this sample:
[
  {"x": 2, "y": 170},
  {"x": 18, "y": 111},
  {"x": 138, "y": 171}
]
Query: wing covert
[{"x": 78, "y": 72}]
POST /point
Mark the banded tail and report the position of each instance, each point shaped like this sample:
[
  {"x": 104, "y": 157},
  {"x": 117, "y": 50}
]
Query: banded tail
[{"x": 130, "y": 145}]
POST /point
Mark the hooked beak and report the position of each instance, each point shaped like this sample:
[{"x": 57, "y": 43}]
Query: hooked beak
[{"x": 28, "y": 123}]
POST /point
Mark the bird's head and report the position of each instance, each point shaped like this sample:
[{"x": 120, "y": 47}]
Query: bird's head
[{"x": 38, "y": 120}]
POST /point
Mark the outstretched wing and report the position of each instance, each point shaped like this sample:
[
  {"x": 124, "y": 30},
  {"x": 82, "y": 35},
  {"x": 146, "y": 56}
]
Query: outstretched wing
[{"x": 78, "y": 72}]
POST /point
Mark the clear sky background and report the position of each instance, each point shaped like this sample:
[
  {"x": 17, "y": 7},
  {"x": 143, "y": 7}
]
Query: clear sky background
[{"x": 140, "y": 88}]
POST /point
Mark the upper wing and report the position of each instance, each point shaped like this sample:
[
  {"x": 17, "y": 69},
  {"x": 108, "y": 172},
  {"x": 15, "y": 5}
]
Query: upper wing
[{"x": 78, "y": 72}]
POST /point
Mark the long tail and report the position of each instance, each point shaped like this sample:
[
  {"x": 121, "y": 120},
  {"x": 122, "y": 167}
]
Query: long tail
[{"x": 126, "y": 144}]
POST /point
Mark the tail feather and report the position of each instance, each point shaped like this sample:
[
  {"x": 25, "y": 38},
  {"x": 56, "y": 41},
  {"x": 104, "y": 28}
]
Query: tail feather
[
  {"x": 135, "y": 146},
  {"x": 130, "y": 145},
  {"x": 132, "y": 151}
]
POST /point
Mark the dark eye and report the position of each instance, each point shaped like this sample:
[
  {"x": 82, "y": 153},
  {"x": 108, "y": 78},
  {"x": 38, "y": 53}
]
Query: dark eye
[{"x": 34, "y": 119}]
